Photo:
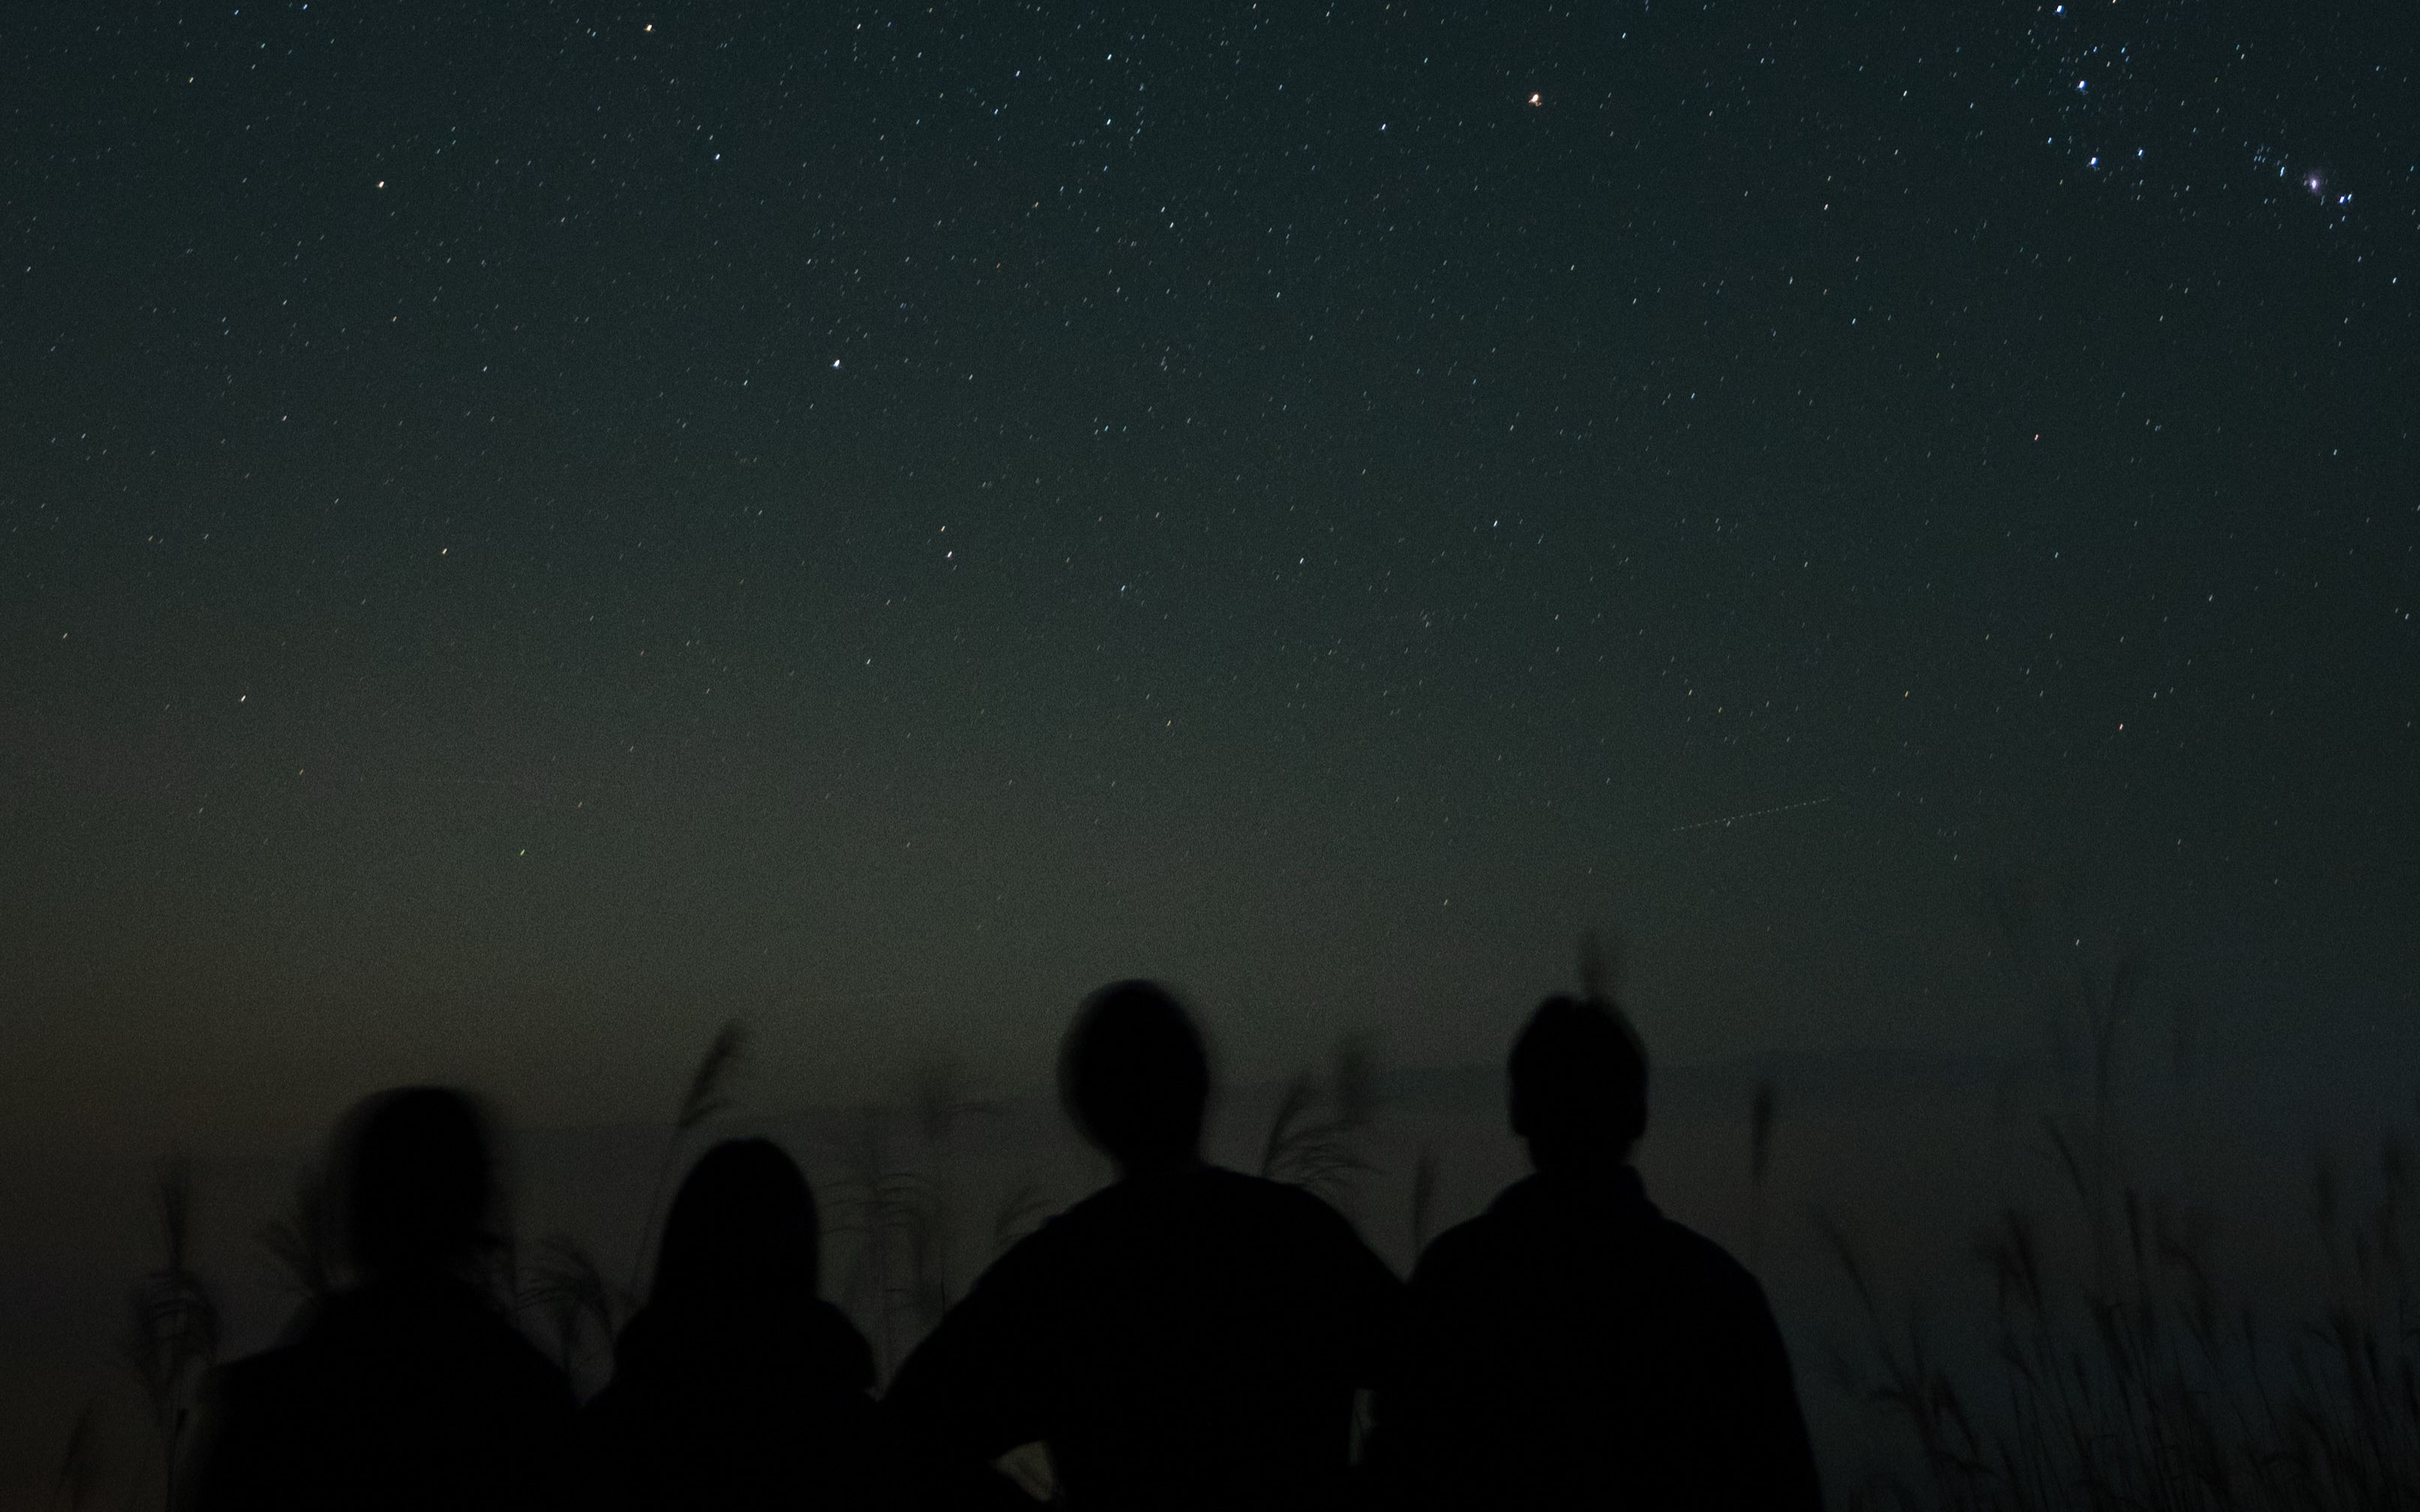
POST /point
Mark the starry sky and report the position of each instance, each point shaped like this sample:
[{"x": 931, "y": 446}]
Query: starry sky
[{"x": 526, "y": 529}]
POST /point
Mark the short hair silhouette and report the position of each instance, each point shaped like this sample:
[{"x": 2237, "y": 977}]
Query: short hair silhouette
[
  {"x": 1187, "y": 1337},
  {"x": 744, "y": 1225},
  {"x": 1134, "y": 1074},
  {"x": 1572, "y": 1347},
  {"x": 1579, "y": 1082},
  {"x": 418, "y": 1181}
]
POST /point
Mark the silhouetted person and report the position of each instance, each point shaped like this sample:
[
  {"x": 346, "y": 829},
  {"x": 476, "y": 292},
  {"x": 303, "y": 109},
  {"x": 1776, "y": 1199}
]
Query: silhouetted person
[
  {"x": 1186, "y": 1338},
  {"x": 409, "y": 1390},
  {"x": 1571, "y": 1346},
  {"x": 737, "y": 1386}
]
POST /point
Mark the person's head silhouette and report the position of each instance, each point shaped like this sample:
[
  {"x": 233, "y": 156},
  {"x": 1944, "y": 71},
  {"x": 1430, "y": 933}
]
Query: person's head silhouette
[
  {"x": 742, "y": 1226},
  {"x": 1134, "y": 1075},
  {"x": 1578, "y": 1086},
  {"x": 418, "y": 1182}
]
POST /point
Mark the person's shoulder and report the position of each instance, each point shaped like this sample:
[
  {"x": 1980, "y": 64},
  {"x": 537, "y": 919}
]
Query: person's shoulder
[
  {"x": 842, "y": 1358},
  {"x": 1242, "y": 1189},
  {"x": 1275, "y": 1205},
  {"x": 1038, "y": 1258},
  {"x": 1468, "y": 1246},
  {"x": 256, "y": 1380},
  {"x": 1211, "y": 1195},
  {"x": 1070, "y": 1227},
  {"x": 611, "y": 1409},
  {"x": 1713, "y": 1268},
  {"x": 1472, "y": 1236},
  {"x": 1149, "y": 1199},
  {"x": 1229, "y": 1185},
  {"x": 500, "y": 1357},
  {"x": 537, "y": 1380}
]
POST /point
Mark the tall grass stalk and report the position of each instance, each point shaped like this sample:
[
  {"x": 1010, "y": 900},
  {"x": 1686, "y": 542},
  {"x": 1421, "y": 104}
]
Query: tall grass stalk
[
  {"x": 890, "y": 1209},
  {"x": 174, "y": 1334},
  {"x": 574, "y": 1303},
  {"x": 707, "y": 1096},
  {"x": 301, "y": 1245},
  {"x": 80, "y": 1464},
  {"x": 2086, "y": 1007},
  {"x": 2128, "y": 1378},
  {"x": 1600, "y": 966},
  {"x": 2160, "y": 1393},
  {"x": 940, "y": 1097},
  {"x": 1314, "y": 1138}
]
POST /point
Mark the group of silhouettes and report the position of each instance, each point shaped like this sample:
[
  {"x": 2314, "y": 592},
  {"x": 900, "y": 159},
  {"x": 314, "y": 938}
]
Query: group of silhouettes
[{"x": 1186, "y": 1337}]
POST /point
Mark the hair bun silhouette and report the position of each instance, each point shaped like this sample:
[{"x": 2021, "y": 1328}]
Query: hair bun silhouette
[
  {"x": 419, "y": 1180},
  {"x": 742, "y": 1226},
  {"x": 1134, "y": 1074},
  {"x": 1578, "y": 1082}
]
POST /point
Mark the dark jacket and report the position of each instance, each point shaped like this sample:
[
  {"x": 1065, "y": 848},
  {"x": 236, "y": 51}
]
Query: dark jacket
[
  {"x": 1190, "y": 1338},
  {"x": 401, "y": 1393},
  {"x": 1571, "y": 1346},
  {"x": 752, "y": 1403}
]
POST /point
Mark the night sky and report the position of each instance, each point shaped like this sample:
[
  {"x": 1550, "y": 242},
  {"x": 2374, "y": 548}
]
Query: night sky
[{"x": 528, "y": 529}]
